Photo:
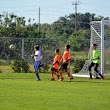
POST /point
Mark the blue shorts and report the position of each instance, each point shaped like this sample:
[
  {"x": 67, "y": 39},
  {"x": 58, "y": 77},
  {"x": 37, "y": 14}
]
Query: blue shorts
[{"x": 37, "y": 65}]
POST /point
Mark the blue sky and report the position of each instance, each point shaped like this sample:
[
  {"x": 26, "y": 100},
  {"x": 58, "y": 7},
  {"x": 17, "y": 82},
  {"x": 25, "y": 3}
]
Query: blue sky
[{"x": 51, "y": 10}]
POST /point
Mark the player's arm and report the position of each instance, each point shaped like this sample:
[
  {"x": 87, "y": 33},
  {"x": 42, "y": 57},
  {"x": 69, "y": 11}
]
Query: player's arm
[
  {"x": 40, "y": 56},
  {"x": 67, "y": 60},
  {"x": 35, "y": 54},
  {"x": 97, "y": 56},
  {"x": 56, "y": 62},
  {"x": 61, "y": 60}
]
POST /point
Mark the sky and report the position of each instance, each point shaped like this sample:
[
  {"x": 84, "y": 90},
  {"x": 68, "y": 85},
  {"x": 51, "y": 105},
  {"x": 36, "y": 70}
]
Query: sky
[{"x": 51, "y": 10}]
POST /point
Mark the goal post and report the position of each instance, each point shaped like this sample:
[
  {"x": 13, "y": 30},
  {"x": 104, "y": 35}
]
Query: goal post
[
  {"x": 101, "y": 37},
  {"x": 102, "y": 30},
  {"x": 102, "y": 47},
  {"x": 100, "y": 34}
]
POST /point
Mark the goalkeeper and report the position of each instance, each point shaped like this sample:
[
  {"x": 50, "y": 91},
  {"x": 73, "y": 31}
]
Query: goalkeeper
[{"x": 96, "y": 61}]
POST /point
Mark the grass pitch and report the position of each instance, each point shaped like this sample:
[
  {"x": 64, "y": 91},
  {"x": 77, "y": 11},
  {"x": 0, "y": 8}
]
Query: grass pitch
[{"x": 23, "y": 92}]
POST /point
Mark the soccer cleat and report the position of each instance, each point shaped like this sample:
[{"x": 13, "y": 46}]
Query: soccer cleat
[
  {"x": 61, "y": 79},
  {"x": 102, "y": 78},
  {"x": 97, "y": 77},
  {"x": 70, "y": 79},
  {"x": 52, "y": 79},
  {"x": 38, "y": 79}
]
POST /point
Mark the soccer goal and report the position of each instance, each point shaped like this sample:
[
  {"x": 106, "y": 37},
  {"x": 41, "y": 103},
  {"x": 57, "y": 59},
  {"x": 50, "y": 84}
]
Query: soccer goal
[{"x": 100, "y": 34}]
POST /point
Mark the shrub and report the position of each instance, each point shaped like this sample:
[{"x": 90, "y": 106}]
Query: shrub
[
  {"x": 0, "y": 71},
  {"x": 45, "y": 68},
  {"x": 5, "y": 62},
  {"x": 20, "y": 66},
  {"x": 78, "y": 64}
]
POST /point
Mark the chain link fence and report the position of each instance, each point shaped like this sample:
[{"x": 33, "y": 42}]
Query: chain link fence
[{"x": 21, "y": 48}]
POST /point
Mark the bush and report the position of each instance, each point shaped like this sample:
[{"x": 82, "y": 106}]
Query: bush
[
  {"x": 20, "y": 66},
  {"x": 45, "y": 68},
  {"x": 0, "y": 71},
  {"x": 5, "y": 62},
  {"x": 78, "y": 64}
]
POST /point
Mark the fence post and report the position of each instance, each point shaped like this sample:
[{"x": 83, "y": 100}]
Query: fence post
[{"x": 22, "y": 49}]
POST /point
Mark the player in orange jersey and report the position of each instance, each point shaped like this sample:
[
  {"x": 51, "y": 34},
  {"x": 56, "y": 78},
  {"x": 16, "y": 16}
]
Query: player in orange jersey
[
  {"x": 65, "y": 61},
  {"x": 55, "y": 65}
]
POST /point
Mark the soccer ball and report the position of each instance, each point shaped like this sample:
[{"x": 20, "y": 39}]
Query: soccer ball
[{"x": 12, "y": 46}]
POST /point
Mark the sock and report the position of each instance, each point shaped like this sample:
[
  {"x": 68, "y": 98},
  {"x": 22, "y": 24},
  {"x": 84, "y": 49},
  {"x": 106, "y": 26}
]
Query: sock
[
  {"x": 37, "y": 75},
  {"x": 90, "y": 74},
  {"x": 55, "y": 73},
  {"x": 52, "y": 74},
  {"x": 100, "y": 75},
  {"x": 61, "y": 74},
  {"x": 69, "y": 75}
]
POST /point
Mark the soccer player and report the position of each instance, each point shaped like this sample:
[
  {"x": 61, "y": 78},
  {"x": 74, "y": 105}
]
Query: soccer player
[
  {"x": 96, "y": 61},
  {"x": 38, "y": 57},
  {"x": 55, "y": 64},
  {"x": 65, "y": 61}
]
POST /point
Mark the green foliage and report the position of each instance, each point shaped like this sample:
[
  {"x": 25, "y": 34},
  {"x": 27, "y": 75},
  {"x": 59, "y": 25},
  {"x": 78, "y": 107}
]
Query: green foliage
[
  {"x": 82, "y": 41},
  {"x": 20, "y": 66},
  {"x": 45, "y": 68},
  {"x": 5, "y": 62},
  {"x": 78, "y": 64},
  {"x": 0, "y": 71},
  {"x": 12, "y": 25}
]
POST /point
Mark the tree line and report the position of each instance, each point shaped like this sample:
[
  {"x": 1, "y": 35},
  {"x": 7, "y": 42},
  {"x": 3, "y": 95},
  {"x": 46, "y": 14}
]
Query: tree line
[{"x": 12, "y": 25}]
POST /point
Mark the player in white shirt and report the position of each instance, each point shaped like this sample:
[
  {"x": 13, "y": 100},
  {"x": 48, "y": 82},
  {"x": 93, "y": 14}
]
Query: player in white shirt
[{"x": 38, "y": 57}]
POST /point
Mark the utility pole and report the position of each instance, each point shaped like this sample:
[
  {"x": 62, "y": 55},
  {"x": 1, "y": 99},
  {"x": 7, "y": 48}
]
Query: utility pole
[
  {"x": 76, "y": 4},
  {"x": 39, "y": 21}
]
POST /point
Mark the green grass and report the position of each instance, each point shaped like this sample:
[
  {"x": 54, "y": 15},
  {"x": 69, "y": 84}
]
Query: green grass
[{"x": 23, "y": 92}]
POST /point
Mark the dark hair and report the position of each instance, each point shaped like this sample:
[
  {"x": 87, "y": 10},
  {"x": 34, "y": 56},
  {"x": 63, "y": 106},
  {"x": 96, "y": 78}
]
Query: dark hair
[
  {"x": 68, "y": 46},
  {"x": 36, "y": 47},
  {"x": 94, "y": 44},
  {"x": 56, "y": 50}
]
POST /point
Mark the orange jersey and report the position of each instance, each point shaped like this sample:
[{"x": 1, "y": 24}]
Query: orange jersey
[
  {"x": 66, "y": 55},
  {"x": 57, "y": 58}
]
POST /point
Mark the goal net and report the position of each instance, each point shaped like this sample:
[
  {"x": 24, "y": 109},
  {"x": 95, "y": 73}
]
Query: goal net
[{"x": 100, "y": 34}]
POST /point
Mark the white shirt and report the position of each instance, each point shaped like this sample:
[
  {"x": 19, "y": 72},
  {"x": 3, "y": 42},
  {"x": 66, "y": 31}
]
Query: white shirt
[{"x": 38, "y": 55}]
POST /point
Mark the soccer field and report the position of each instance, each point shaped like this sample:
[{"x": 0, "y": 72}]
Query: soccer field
[{"x": 23, "y": 92}]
